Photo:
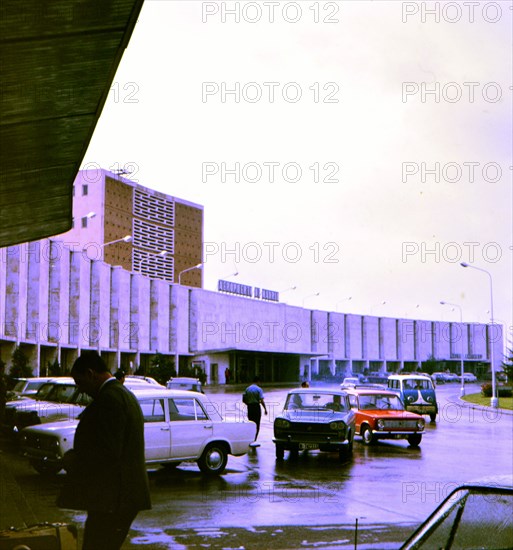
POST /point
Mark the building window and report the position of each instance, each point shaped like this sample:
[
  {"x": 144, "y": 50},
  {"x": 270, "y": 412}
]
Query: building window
[
  {"x": 84, "y": 222},
  {"x": 85, "y": 189}
]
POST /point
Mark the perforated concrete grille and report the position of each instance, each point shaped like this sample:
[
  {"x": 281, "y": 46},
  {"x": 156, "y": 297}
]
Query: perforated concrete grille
[
  {"x": 153, "y": 265},
  {"x": 153, "y": 237},
  {"x": 154, "y": 208}
]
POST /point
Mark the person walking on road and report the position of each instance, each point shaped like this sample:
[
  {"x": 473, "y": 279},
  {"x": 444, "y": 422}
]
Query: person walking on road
[
  {"x": 254, "y": 398},
  {"x": 106, "y": 470}
]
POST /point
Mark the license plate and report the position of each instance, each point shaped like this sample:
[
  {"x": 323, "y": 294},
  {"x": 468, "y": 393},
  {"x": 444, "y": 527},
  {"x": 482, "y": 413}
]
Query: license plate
[{"x": 308, "y": 446}]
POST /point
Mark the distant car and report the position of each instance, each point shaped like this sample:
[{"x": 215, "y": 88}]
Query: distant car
[
  {"x": 350, "y": 382},
  {"x": 439, "y": 378},
  {"x": 380, "y": 414},
  {"x": 135, "y": 380},
  {"x": 178, "y": 426},
  {"x": 417, "y": 392},
  {"x": 315, "y": 419},
  {"x": 473, "y": 515},
  {"x": 468, "y": 377},
  {"x": 184, "y": 383},
  {"x": 451, "y": 377}
]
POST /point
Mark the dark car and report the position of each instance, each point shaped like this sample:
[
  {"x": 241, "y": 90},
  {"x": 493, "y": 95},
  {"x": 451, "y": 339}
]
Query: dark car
[
  {"x": 474, "y": 515},
  {"x": 315, "y": 419}
]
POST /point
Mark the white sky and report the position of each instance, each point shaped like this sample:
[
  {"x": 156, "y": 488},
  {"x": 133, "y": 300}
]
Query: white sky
[{"x": 366, "y": 235}]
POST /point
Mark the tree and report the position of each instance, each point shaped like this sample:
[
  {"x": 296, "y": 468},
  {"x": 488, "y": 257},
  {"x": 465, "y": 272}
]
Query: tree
[
  {"x": 54, "y": 369},
  {"x": 20, "y": 367},
  {"x": 161, "y": 368},
  {"x": 430, "y": 365},
  {"x": 507, "y": 365}
]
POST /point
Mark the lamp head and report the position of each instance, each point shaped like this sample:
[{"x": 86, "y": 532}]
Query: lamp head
[
  {"x": 127, "y": 238},
  {"x": 464, "y": 264}
]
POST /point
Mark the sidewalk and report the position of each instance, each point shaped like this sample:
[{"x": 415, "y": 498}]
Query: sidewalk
[{"x": 15, "y": 510}]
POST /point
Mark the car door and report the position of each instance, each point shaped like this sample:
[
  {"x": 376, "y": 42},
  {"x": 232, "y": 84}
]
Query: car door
[
  {"x": 157, "y": 435},
  {"x": 190, "y": 427}
]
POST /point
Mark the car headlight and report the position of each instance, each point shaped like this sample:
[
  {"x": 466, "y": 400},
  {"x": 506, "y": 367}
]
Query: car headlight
[
  {"x": 380, "y": 424},
  {"x": 410, "y": 398},
  {"x": 281, "y": 423},
  {"x": 429, "y": 398},
  {"x": 337, "y": 426},
  {"x": 420, "y": 424}
]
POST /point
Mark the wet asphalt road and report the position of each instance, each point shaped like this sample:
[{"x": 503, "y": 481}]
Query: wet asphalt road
[{"x": 312, "y": 501}]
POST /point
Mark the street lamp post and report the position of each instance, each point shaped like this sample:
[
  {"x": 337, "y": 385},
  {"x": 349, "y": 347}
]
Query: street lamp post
[
  {"x": 162, "y": 253},
  {"x": 310, "y": 296},
  {"x": 462, "y": 389},
  {"x": 494, "y": 402},
  {"x": 177, "y": 355},
  {"x": 126, "y": 239},
  {"x": 376, "y": 305},
  {"x": 197, "y": 266},
  {"x": 348, "y": 299}
]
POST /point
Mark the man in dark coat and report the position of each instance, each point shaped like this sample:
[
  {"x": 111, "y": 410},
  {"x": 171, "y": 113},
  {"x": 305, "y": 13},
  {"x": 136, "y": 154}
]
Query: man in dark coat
[{"x": 106, "y": 468}]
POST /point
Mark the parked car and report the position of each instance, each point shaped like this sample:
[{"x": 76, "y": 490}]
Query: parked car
[
  {"x": 49, "y": 390},
  {"x": 315, "y": 419},
  {"x": 468, "y": 377},
  {"x": 380, "y": 414},
  {"x": 184, "y": 383},
  {"x": 439, "y": 378},
  {"x": 63, "y": 402},
  {"x": 473, "y": 515},
  {"x": 417, "y": 392},
  {"x": 136, "y": 379},
  {"x": 27, "y": 387},
  {"x": 350, "y": 382},
  {"x": 179, "y": 426}
]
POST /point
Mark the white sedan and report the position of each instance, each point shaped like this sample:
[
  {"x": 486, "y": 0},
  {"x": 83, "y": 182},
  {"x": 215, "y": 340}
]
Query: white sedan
[{"x": 179, "y": 426}]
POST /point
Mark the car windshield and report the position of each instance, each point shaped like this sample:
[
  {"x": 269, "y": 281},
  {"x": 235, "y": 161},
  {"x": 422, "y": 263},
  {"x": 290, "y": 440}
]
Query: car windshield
[
  {"x": 19, "y": 385},
  {"x": 380, "y": 402},
  {"x": 417, "y": 384},
  {"x": 44, "y": 391},
  {"x": 61, "y": 393},
  {"x": 315, "y": 401},
  {"x": 477, "y": 519}
]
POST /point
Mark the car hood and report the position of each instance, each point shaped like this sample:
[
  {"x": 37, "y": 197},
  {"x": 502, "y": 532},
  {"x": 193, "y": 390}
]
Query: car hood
[
  {"x": 316, "y": 416},
  {"x": 377, "y": 413}
]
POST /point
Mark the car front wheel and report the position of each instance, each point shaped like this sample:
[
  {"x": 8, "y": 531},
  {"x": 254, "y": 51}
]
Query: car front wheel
[
  {"x": 368, "y": 437},
  {"x": 280, "y": 452},
  {"x": 414, "y": 440},
  {"x": 214, "y": 459}
]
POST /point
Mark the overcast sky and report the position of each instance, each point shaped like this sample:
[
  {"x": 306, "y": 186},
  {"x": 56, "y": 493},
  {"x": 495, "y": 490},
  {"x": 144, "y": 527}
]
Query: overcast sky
[{"x": 338, "y": 142}]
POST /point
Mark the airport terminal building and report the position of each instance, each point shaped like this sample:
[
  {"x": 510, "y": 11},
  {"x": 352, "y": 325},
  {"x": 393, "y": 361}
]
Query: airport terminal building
[
  {"x": 55, "y": 301},
  {"x": 61, "y": 295}
]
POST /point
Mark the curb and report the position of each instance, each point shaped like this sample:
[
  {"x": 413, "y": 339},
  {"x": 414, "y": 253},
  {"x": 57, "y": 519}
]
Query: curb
[{"x": 484, "y": 407}]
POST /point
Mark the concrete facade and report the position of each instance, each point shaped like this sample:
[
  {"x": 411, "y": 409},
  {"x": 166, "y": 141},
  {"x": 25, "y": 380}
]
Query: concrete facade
[
  {"x": 156, "y": 222},
  {"x": 56, "y": 301}
]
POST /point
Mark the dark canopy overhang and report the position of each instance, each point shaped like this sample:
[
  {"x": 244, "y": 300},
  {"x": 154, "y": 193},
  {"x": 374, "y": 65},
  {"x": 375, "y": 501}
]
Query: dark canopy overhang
[{"x": 58, "y": 59}]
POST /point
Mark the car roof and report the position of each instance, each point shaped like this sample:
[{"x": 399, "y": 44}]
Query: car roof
[
  {"x": 371, "y": 391},
  {"x": 163, "y": 392},
  {"x": 184, "y": 379},
  {"x": 318, "y": 390},
  {"x": 412, "y": 375}
]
